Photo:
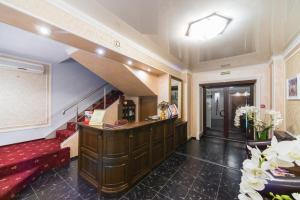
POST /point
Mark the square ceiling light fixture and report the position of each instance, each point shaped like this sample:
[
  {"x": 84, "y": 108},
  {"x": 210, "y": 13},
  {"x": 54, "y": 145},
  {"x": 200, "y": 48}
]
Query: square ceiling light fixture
[{"x": 208, "y": 27}]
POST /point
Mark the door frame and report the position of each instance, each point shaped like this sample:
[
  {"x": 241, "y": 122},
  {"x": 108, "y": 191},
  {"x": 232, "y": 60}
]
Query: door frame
[{"x": 224, "y": 85}]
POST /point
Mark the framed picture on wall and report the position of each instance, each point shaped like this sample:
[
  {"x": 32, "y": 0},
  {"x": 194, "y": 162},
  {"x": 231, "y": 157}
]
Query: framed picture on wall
[{"x": 293, "y": 88}]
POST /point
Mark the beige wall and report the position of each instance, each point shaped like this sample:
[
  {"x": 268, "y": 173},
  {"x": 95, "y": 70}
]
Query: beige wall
[
  {"x": 260, "y": 73},
  {"x": 150, "y": 80},
  {"x": 293, "y": 106}
]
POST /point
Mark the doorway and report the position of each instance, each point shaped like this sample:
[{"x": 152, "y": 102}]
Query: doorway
[{"x": 220, "y": 101}]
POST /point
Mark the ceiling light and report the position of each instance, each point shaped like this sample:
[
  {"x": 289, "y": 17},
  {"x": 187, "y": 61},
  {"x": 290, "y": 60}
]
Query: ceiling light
[
  {"x": 43, "y": 30},
  {"x": 100, "y": 51},
  {"x": 208, "y": 27},
  {"x": 149, "y": 70},
  {"x": 129, "y": 62}
]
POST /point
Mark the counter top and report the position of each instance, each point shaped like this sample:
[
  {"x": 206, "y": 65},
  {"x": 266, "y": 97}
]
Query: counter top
[{"x": 123, "y": 127}]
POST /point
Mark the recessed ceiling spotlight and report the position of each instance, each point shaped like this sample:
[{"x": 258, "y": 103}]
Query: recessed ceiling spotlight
[
  {"x": 208, "y": 27},
  {"x": 43, "y": 30},
  {"x": 129, "y": 62},
  {"x": 149, "y": 70},
  {"x": 100, "y": 51}
]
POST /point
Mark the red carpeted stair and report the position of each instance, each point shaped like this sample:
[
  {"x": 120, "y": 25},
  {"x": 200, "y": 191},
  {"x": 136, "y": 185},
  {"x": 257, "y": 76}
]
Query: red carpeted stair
[{"x": 21, "y": 163}]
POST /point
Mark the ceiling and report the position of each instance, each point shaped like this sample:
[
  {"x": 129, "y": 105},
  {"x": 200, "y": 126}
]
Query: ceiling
[
  {"x": 17, "y": 42},
  {"x": 259, "y": 28}
]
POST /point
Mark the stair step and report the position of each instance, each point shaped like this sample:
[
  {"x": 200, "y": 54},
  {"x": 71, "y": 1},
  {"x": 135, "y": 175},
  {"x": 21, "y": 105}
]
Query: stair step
[
  {"x": 71, "y": 126},
  {"x": 62, "y": 135},
  {"x": 12, "y": 184},
  {"x": 21, "y": 162}
]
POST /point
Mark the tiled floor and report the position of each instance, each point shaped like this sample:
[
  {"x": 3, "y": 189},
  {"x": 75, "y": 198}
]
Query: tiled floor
[{"x": 195, "y": 171}]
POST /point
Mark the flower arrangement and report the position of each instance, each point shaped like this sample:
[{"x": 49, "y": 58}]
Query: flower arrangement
[
  {"x": 163, "y": 106},
  {"x": 271, "y": 120},
  {"x": 283, "y": 154}
]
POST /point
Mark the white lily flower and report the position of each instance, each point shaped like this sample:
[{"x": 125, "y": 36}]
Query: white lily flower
[
  {"x": 257, "y": 184},
  {"x": 244, "y": 197},
  {"x": 255, "y": 196},
  {"x": 296, "y": 196},
  {"x": 255, "y": 153}
]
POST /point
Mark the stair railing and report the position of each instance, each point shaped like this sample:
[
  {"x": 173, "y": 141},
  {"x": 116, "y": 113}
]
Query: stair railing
[{"x": 76, "y": 103}]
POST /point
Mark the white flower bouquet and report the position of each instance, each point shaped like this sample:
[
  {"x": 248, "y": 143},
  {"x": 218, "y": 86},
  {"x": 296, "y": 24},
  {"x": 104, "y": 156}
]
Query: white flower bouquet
[
  {"x": 261, "y": 127},
  {"x": 255, "y": 174}
]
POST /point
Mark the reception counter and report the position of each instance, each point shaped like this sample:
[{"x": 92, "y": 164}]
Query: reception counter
[{"x": 114, "y": 159}]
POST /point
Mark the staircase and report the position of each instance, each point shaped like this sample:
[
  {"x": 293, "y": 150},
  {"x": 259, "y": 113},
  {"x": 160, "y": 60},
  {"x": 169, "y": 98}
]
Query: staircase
[
  {"x": 23, "y": 162},
  {"x": 103, "y": 103}
]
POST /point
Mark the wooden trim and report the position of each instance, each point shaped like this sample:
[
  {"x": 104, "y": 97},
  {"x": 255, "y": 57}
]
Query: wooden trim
[
  {"x": 226, "y": 84},
  {"x": 226, "y": 113},
  {"x": 181, "y": 93}
]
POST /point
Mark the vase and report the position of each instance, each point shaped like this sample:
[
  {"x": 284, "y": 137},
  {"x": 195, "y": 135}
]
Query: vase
[
  {"x": 163, "y": 114},
  {"x": 264, "y": 134}
]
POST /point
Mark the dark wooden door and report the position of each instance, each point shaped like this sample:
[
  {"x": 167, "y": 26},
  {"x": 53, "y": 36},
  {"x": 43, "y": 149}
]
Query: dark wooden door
[
  {"x": 148, "y": 107},
  {"x": 230, "y": 103}
]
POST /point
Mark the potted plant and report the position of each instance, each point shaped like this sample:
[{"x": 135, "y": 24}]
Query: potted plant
[{"x": 261, "y": 128}]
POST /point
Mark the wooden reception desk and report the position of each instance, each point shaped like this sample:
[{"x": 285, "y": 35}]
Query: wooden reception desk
[{"x": 114, "y": 159}]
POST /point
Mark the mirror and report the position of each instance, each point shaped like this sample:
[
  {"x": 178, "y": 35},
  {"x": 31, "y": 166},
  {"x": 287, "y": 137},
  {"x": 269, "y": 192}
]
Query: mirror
[{"x": 176, "y": 97}]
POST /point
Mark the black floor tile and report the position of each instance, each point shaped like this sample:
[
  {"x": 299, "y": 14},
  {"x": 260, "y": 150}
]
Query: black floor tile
[
  {"x": 183, "y": 178},
  {"x": 206, "y": 188},
  {"x": 190, "y": 174},
  {"x": 58, "y": 191},
  {"x": 154, "y": 181},
  {"x": 219, "y": 151},
  {"x": 193, "y": 195},
  {"x": 160, "y": 197},
  {"x": 174, "y": 191},
  {"x": 229, "y": 186},
  {"x": 139, "y": 192},
  {"x": 26, "y": 193},
  {"x": 164, "y": 170},
  {"x": 46, "y": 180}
]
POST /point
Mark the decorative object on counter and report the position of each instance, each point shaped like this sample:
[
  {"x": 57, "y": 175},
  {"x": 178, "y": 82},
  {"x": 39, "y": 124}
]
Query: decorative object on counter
[
  {"x": 293, "y": 88},
  {"x": 97, "y": 117},
  {"x": 256, "y": 171},
  {"x": 154, "y": 117},
  {"x": 127, "y": 110},
  {"x": 121, "y": 122},
  {"x": 87, "y": 116},
  {"x": 163, "y": 106},
  {"x": 262, "y": 129},
  {"x": 173, "y": 111}
]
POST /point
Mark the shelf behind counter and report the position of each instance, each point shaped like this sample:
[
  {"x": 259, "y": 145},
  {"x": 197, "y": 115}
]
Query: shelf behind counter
[{"x": 113, "y": 159}]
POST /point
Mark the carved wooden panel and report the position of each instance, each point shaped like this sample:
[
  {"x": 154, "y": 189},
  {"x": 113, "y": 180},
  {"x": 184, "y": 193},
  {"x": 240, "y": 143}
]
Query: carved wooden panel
[
  {"x": 169, "y": 145},
  {"x": 115, "y": 174},
  {"x": 157, "y": 153},
  {"x": 169, "y": 128},
  {"x": 157, "y": 133},
  {"x": 115, "y": 144},
  {"x": 140, "y": 137},
  {"x": 88, "y": 166},
  {"x": 89, "y": 139},
  {"x": 140, "y": 163}
]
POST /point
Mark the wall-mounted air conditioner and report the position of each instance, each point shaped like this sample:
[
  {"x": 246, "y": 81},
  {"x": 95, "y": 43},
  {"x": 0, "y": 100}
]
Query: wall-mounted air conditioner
[{"x": 11, "y": 63}]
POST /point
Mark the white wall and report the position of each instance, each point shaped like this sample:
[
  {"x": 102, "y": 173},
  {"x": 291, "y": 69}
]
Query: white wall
[
  {"x": 260, "y": 73},
  {"x": 70, "y": 82}
]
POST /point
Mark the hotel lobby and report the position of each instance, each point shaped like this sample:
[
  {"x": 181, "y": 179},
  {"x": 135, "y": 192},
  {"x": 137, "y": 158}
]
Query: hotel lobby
[{"x": 140, "y": 100}]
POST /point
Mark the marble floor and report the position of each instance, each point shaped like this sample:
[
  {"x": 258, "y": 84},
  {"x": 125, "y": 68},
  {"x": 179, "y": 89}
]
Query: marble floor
[{"x": 204, "y": 170}]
